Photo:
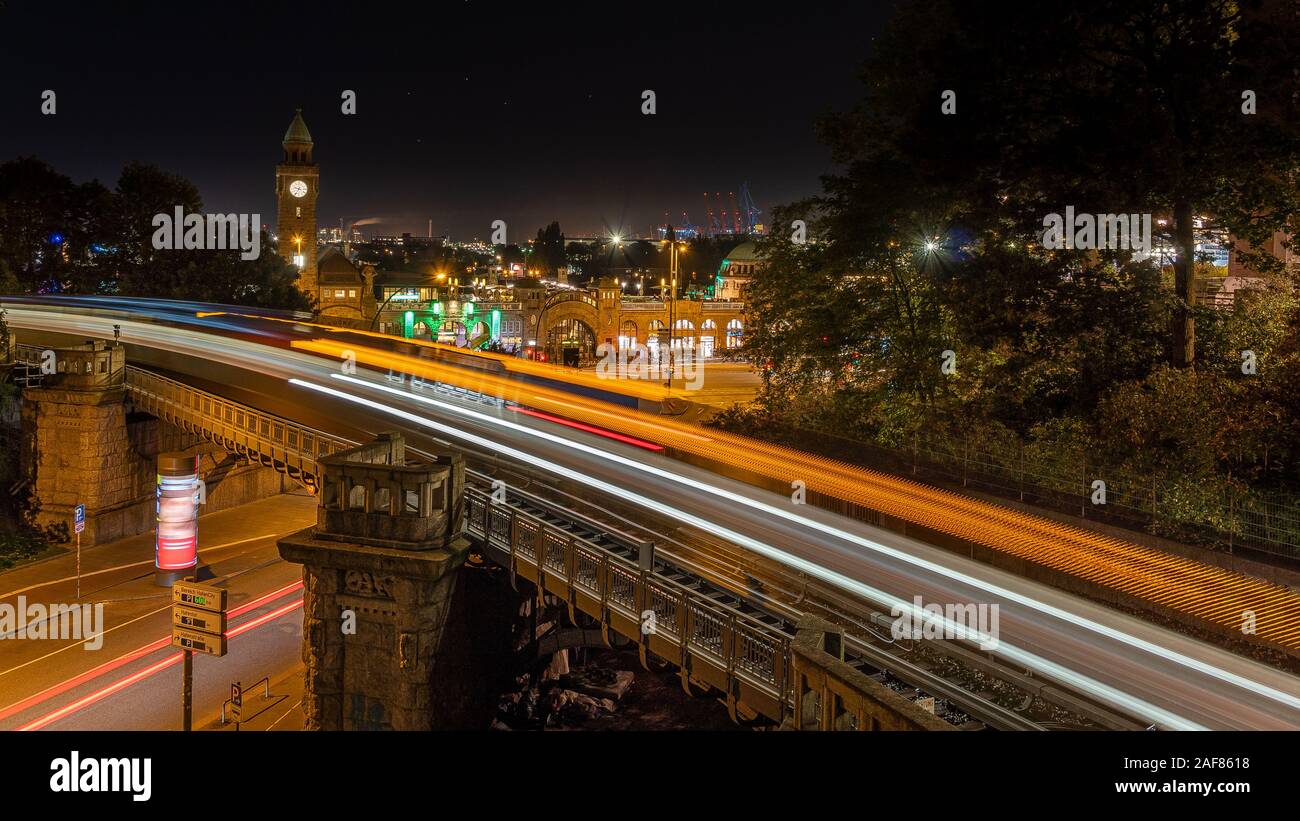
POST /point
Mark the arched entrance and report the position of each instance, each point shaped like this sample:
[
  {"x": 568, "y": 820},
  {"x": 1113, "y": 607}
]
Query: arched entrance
[
  {"x": 735, "y": 334},
  {"x": 708, "y": 333},
  {"x": 652, "y": 338},
  {"x": 683, "y": 336},
  {"x": 451, "y": 332},
  {"x": 627, "y": 335},
  {"x": 571, "y": 342},
  {"x": 480, "y": 334}
]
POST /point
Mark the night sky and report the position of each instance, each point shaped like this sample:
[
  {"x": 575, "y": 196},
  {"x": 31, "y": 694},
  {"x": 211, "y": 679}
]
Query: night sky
[{"x": 467, "y": 112}]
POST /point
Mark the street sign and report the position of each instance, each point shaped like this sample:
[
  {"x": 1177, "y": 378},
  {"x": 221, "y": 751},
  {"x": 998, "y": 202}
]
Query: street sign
[
  {"x": 197, "y": 642},
  {"x": 198, "y": 626},
  {"x": 79, "y": 519},
  {"x": 202, "y": 596},
  {"x": 236, "y": 701},
  {"x": 192, "y": 618}
]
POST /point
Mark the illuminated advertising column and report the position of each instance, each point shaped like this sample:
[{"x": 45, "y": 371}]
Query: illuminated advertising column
[{"x": 177, "y": 547}]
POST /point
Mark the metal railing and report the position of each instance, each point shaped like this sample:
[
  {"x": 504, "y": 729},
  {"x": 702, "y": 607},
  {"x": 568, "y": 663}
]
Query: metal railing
[
  {"x": 1060, "y": 476},
  {"x": 742, "y": 657},
  {"x": 266, "y": 694},
  {"x": 270, "y": 440},
  {"x": 1184, "y": 509},
  {"x": 570, "y": 296},
  {"x": 265, "y": 438}
]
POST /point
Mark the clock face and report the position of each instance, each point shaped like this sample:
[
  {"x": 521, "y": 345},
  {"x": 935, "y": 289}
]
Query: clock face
[{"x": 298, "y": 188}]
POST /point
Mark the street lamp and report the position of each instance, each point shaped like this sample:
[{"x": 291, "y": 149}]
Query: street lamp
[{"x": 672, "y": 308}]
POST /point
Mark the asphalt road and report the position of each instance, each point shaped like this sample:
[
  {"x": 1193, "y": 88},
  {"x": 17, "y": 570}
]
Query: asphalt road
[{"x": 131, "y": 679}]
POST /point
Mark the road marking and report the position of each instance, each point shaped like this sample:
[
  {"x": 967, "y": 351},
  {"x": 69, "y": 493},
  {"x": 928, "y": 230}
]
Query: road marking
[
  {"x": 132, "y": 564},
  {"x": 126, "y": 658},
  {"x": 63, "y": 712},
  {"x": 286, "y": 715},
  {"x": 121, "y": 684}
]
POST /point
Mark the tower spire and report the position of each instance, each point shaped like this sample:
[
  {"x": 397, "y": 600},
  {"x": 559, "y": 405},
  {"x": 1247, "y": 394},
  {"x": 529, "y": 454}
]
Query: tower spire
[{"x": 297, "y": 132}]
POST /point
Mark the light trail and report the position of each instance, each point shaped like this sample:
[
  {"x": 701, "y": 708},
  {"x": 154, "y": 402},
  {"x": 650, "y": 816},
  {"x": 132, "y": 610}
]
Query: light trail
[
  {"x": 618, "y": 437},
  {"x": 141, "y": 675},
  {"x": 989, "y": 588},
  {"x": 511, "y": 364},
  {"x": 1206, "y": 592},
  {"x": 1049, "y": 668},
  {"x": 1018, "y": 534}
]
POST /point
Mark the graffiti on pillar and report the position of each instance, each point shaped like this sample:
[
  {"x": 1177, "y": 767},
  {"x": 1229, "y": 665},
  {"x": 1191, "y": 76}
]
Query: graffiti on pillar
[
  {"x": 367, "y": 714},
  {"x": 363, "y": 583}
]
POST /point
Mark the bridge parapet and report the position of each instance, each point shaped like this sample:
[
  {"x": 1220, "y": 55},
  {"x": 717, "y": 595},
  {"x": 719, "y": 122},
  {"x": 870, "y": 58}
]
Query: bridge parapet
[
  {"x": 94, "y": 366},
  {"x": 380, "y": 576},
  {"x": 830, "y": 694},
  {"x": 371, "y": 496},
  {"x": 741, "y": 657}
]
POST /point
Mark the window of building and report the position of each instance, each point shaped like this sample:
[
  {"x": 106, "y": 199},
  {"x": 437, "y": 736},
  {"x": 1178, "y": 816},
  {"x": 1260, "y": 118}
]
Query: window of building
[
  {"x": 339, "y": 293},
  {"x": 357, "y": 498}
]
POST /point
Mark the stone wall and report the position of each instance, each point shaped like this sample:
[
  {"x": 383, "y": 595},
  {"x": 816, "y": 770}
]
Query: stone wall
[
  {"x": 82, "y": 447},
  {"x": 383, "y": 637}
]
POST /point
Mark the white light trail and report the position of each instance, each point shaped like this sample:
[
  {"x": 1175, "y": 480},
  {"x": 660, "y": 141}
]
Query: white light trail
[{"x": 1081, "y": 682}]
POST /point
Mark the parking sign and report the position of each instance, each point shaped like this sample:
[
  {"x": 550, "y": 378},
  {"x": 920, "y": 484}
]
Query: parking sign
[{"x": 79, "y": 519}]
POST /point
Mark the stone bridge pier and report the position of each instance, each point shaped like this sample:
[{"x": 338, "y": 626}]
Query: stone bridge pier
[
  {"x": 83, "y": 442},
  {"x": 388, "y": 642},
  {"x": 75, "y": 444}
]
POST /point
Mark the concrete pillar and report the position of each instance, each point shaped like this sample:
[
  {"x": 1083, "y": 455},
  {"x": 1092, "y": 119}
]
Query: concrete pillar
[
  {"x": 373, "y": 624},
  {"x": 75, "y": 445},
  {"x": 381, "y": 572}
]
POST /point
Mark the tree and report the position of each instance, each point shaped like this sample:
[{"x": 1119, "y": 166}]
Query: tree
[
  {"x": 548, "y": 255},
  {"x": 49, "y": 227},
  {"x": 60, "y": 237},
  {"x": 1126, "y": 106}
]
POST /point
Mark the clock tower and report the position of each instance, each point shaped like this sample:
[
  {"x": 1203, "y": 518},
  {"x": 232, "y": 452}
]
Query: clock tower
[{"x": 296, "y": 186}]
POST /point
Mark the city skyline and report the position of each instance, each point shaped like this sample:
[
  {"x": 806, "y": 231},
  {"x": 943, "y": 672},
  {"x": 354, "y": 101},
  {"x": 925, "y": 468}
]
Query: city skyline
[{"x": 471, "y": 133}]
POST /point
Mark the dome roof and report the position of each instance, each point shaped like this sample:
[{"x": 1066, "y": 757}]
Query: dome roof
[
  {"x": 297, "y": 132},
  {"x": 744, "y": 252}
]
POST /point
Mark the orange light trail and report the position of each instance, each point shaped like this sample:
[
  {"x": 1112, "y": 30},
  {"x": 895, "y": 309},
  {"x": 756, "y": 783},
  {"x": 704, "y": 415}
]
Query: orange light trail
[
  {"x": 1203, "y": 591},
  {"x": 643, "y": 389}
]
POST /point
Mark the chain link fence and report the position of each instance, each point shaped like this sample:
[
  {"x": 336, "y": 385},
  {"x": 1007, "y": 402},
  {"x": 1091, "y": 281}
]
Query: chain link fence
[{"x": 1065, "y": 479}]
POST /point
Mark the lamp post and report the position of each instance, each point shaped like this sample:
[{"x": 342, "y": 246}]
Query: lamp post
[
  {"x": 672, "y": 309},
  {"x": 375, "y": 319}
]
